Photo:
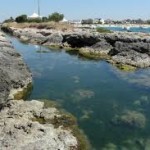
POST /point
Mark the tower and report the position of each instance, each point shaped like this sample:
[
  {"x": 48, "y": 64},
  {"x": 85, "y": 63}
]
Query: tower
[{"x": 39, "y": 13}]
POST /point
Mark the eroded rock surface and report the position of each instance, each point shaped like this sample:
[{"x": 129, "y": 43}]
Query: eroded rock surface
[
  {"x": 21, "y": 128},
  {"x": 120, "y": 47},
  {"x": 14, "y": 73}
]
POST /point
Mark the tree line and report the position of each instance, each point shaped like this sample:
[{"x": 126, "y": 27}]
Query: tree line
[{"x": 56, "y": 17}]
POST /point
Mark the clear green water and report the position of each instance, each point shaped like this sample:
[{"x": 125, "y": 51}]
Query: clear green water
[{"x": 94, "y": 92}]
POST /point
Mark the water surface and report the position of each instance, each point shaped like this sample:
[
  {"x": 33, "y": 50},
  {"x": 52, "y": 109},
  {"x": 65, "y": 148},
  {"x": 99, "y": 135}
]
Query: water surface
[
  {"x": 131, "y": 29},
  {"x": 94, "y": 91}
]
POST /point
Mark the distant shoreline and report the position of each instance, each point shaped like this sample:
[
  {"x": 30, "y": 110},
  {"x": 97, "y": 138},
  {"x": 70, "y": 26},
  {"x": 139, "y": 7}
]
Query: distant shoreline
[{"x": 115, "y": 25}]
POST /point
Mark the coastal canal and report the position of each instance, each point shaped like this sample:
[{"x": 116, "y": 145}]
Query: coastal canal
[{"x": 111, "y": 106}]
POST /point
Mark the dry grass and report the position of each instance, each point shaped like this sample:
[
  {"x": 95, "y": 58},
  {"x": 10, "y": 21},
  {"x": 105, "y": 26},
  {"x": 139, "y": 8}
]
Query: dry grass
[{"x": 45, "y": 25}]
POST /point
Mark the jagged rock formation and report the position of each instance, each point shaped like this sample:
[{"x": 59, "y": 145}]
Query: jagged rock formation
[{"x": 118, "y": 47}]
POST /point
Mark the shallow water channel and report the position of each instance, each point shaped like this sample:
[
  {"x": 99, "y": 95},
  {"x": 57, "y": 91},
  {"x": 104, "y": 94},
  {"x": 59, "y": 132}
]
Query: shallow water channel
[{"x": 102, "y": 98}]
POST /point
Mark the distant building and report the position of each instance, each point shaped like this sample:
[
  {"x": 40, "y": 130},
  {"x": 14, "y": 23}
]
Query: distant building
[
  {"x": 34, "y": 16},
  {"x": 87, "y": 21},
  {"x": 64, "y": 20},
  {"x": 99, "y": 21},
  {"x": 109, "y": 21},
  {"x": 75, "y": 21}
]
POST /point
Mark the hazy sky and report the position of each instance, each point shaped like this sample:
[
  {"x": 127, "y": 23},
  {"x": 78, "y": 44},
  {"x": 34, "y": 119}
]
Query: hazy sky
[{"x": 78, "y": 9}]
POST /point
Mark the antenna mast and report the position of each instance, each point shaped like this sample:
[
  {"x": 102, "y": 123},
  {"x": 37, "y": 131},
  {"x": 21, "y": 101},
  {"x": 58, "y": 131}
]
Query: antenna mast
[{"x": 39, "y": 13}]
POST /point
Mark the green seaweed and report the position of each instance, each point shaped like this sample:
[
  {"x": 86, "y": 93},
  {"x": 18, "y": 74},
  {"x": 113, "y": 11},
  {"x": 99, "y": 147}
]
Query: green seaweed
[
  {"x": 92, "y": 55},
  {"x": 41, "y": 120},
  {"x": 54, "y": 47},
  {"x": 103, "y": 30},
  {"x": 24, "y": 93},
  {"x": 125, "y": 67},
  {"x": 68, "y": 122}
]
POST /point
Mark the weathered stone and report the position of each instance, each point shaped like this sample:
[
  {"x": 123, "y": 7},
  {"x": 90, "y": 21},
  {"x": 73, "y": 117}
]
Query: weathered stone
[
  {"x": 80, "y": 39},
  {"x": 4, "y": 87},
  {"x": 19, "y": 128},
  {"x": 14, "y": 72},
  {"x": 121, "y": 47}
]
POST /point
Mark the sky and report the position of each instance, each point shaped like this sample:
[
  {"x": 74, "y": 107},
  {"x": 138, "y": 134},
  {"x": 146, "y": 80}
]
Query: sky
[{"x": 79, "y": 9}]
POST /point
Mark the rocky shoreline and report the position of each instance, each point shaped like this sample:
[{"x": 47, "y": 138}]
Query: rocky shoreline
[
  {"x": 15, "y": 75},
  {"x": 125, "y": 50},
  {"x": 30, "y": 124}
]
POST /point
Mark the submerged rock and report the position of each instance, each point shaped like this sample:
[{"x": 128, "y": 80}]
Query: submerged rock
[
  {"x": 130, "y": 144},
  {"x": 110, "y": 146},
  {"x": 131, "y": 118},
  {"x": 82, "y": 94}
]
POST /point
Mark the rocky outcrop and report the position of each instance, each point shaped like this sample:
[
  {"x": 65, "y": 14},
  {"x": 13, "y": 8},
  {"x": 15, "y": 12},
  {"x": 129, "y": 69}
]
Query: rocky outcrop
[
  {"x": 81, "y": 39},
  {"x": 14, "y": 73},
  {"x": 119, "y": 47},
  {"x": 4, "y": 87},
  {"x": 29, "y": 125},
  {"x": 135, "y": 53},
  {"x": 54, "y": 39}
]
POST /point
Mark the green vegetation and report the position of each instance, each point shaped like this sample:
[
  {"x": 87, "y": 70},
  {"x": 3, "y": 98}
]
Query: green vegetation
[
  {"x": 37, "y": 20},
  {"x": 126, "y": 68},
  {"x": 11, "y": 19},
  {"x": 56, "y": 17},
  {"x": 88, "y": 53},
  {"x": 103, "y": 30},
  {"x": 67, "y": 121},
  {"x": 21, "y": 19},
  {"x": 24, "y": 93}
]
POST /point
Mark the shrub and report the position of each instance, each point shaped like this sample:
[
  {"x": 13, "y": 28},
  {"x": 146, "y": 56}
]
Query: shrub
[
  {"x": 21, "y": 19},
  {"x": 44, "y": 19},
  {"x": 37, "y": 20},
  {"x": 11, "y": 19},
  {"x": 56, "y": 17}
]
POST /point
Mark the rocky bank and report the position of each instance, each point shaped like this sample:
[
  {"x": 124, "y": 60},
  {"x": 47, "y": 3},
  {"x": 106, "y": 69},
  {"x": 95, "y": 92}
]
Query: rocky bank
[
  {"x": 123, "y": 49},
  {"x": 30, "y": 124},
  {"x": 14, "y": 73}
]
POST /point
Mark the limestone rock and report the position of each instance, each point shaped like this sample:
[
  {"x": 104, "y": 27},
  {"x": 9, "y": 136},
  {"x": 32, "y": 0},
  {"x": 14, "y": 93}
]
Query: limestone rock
[
  {"x": 14, "y": 72},
  {"x": 20, "y": 131},
  {"x": 121, "y": 47}
]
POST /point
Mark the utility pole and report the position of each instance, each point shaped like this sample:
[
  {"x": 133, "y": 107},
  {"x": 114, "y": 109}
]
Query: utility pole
[{"x": 39, "y": 13}]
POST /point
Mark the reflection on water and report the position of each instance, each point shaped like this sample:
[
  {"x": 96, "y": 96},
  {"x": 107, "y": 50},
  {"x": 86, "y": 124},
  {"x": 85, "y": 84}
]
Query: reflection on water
[{"x": 110, "y": 105}]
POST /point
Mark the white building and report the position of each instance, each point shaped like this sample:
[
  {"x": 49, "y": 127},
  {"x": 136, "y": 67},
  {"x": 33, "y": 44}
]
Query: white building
[
  {"x": 99, "y": 21},
  {"x": 102, "y": 21},
  {"x": 64, "y": 20},
  {"x": 34, "y": 16}
]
